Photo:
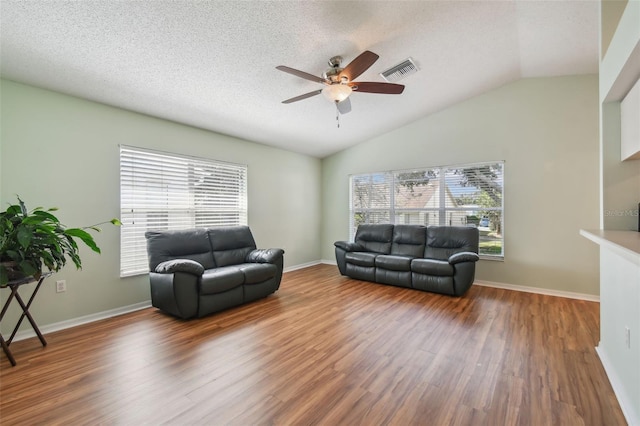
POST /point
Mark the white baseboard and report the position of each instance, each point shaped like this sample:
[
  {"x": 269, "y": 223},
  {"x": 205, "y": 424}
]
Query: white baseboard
[
  {"x": 301, "y": 266},
  {"x": 538, "y": 290},
  {"x": 625, "y": 404},
  {"x": 50, "y": 328},
  {"x": 329, "y": 262}
]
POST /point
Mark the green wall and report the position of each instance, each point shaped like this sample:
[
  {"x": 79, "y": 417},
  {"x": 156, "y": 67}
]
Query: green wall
[
  {"x": 546, "y": 131},
  {"x": 57, "y": 150},
  {"x": 61, "y": 151}
]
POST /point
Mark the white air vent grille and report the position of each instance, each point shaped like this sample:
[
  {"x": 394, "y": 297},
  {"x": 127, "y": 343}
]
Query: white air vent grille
[{"x": 400, "y": 71}]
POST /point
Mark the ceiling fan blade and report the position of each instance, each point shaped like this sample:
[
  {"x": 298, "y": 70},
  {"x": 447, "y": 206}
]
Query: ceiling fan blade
[
  {"x": 301, "y": 97},
  {"x": 359, "y": 65},
  {"x": 344, "y": 106},
  {"x": 301, "y": 74},
  {"x": 373, "y": 87}
]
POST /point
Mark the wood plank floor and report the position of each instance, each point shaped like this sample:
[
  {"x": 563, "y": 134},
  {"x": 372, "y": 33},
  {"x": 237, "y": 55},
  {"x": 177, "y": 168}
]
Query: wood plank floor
[{"x": 324, "y": 350}]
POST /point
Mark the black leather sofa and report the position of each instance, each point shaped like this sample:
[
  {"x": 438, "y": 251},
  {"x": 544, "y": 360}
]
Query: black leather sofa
[
  {"x": 197, "y": 272},
  {"x": 439, "y": 259}
]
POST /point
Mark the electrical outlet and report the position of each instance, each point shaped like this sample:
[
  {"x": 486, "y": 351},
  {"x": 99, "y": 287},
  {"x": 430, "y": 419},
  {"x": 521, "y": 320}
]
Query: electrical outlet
[{"x": 61, "y": 286}]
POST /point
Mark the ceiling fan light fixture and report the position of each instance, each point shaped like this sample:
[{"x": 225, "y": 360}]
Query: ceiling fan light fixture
[{"x": 336, "y": 92}]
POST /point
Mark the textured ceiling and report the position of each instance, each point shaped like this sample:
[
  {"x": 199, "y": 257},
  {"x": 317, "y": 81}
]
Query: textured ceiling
[{"x": 211, "y": 64}]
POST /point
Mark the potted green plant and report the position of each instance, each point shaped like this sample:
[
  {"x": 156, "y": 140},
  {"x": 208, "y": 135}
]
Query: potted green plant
[{"x": 31, "y": 240}]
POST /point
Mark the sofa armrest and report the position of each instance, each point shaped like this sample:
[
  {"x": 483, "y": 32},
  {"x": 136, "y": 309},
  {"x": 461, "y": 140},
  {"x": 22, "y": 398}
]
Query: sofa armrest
[
  {"x": 270, "y": 255},
  {"x": 348, "y": 246},
  {"x": 465, "y": 256},
  {"x": 180, "y": 265}
]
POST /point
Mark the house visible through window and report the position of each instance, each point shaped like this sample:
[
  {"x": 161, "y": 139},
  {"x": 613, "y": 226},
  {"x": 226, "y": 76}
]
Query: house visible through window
[
  {"x": 161, "y": 191},
  {"x": 465, "y": 195}
]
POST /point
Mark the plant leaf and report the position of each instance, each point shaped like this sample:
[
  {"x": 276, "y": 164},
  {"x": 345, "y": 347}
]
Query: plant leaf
[
  {"x": 28, "y": 268},
  {"x": 84, "y": 236},
  {"x": 43, "y": 214},
  {"x": 4, "y": 276},
  {"x": 14, "y": 210},
  {"x": 23, "y": 208},
  {"x": 24, "y": 236}
]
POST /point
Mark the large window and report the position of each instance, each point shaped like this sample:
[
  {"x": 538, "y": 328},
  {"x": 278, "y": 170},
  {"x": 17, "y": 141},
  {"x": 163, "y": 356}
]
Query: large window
[
  {"x": 465, "y": 195},
  {"x": 168, "y": 191}
]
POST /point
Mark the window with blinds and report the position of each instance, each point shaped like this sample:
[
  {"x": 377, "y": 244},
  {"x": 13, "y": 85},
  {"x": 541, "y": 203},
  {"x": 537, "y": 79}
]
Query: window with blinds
[
  {"x": 465, "y": 195},
  {"x": 160, "y": 191}
]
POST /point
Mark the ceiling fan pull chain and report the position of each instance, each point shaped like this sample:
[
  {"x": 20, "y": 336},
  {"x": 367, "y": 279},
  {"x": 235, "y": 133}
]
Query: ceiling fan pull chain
[{"x": 337, "y": 115}]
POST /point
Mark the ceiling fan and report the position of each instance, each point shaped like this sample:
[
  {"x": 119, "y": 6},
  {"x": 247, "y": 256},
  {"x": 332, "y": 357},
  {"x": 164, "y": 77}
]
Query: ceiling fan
[{"x": 339, "y": 82}]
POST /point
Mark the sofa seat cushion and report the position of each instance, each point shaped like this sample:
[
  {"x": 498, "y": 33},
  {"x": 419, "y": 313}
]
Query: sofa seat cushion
[
  {"x": 222, "y": 279},
  {"x": 361, "y": 258},
  {"x": 394, "y": 263},
  {"x": 255, "y": 273},
  {"x": 440, "y": 268}
]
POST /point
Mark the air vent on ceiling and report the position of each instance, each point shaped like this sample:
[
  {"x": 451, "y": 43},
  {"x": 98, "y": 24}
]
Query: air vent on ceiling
[{"x": 400, "y": 71}]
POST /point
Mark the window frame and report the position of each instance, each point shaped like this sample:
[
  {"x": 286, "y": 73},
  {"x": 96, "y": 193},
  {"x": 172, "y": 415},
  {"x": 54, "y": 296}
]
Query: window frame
[
  {"x": 390, "y": 211},
  {"x": 163, "y": 190}
]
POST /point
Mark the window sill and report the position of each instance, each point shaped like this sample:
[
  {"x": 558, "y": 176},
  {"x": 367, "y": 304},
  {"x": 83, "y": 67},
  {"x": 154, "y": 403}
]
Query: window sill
[{"x": 492, "y": 258}]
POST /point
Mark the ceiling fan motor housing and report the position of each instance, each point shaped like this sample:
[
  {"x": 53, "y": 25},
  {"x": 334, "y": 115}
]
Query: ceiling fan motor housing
[
  {"x": 335, "y": 61},
  {"x": 333, "y": 75}
]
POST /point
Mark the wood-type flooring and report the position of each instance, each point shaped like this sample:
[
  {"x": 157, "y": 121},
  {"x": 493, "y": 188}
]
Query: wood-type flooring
[{"x": 323, "y": 350}]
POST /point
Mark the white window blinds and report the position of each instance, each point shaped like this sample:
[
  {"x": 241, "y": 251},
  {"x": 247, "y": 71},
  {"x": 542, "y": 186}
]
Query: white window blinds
[{"x": 160, "y": 191}]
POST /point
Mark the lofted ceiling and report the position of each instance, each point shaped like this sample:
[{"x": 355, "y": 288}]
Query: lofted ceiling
[{"x": 211, "y": 64}]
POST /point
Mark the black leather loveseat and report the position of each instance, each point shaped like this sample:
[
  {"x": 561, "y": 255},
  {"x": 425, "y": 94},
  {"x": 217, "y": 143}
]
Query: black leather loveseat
[
  {"x": 196, "y": 272},
  {"x": 439, "y": 259}
]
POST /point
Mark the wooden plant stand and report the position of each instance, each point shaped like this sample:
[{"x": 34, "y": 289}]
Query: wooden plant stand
[{"x": 14, "y": 286}]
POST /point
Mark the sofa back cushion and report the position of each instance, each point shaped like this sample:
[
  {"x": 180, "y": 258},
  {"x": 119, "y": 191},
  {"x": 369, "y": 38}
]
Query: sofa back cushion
[
  {"x": 375, "y": 238},
  {"x": 192, "y": 244},
  {"x": 231, "y": 245},
  {"x": 409, "y": 240},
  {"x": 443, "y": 241}
]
